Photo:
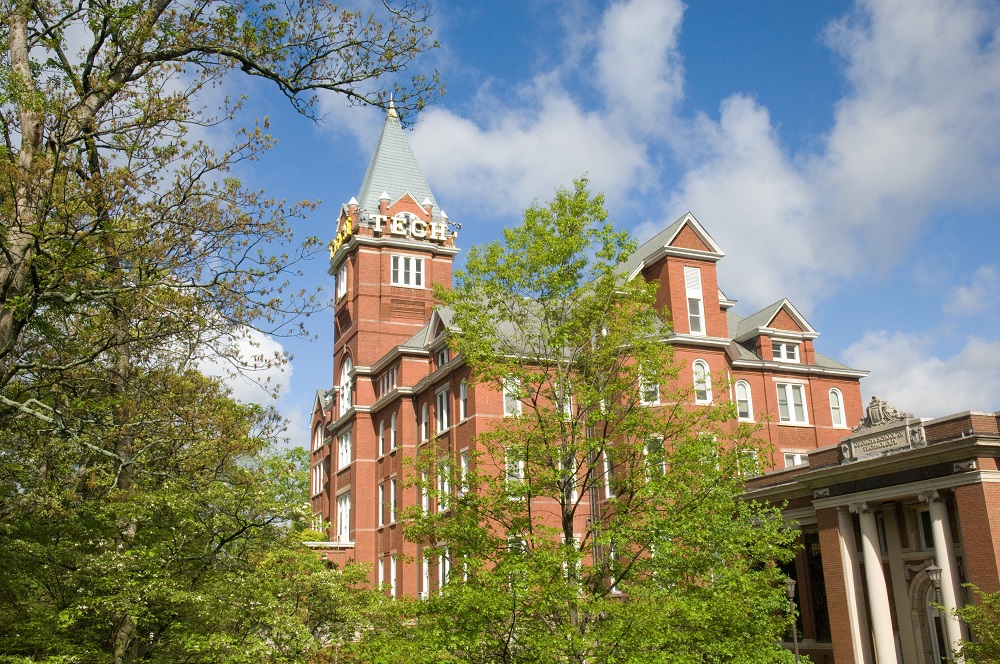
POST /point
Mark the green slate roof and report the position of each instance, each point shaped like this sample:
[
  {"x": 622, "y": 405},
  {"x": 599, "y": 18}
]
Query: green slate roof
[{"x": 394, "y": 170}]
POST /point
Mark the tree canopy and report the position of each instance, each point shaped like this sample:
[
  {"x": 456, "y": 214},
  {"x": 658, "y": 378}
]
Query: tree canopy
[
  {"x": 602, "y": 520},
  {"x": 145, "y": 514}
]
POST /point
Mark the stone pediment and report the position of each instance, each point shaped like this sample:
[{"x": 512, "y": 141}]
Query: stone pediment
[{"x": 883, "y": 430}]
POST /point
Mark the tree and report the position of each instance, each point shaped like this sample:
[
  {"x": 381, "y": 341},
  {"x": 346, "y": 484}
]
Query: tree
[
  {"x": 135, "y": 495},
  {"x": 675, "y": 567},
  {"x": 196, "y": 558},
  {"x": 983, "y": 619}
]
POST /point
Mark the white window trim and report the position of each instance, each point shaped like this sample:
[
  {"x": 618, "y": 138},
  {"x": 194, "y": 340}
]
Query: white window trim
[
  {"x": 512, "y": 406},
  {"x": 344, "y": 516},
  {"x": 463, "y": 400},
  {"x": 706, "y": 379},
  {"x": 842, "y": 424},
  {"x": 694, "y": 294},
  {"x": 345, "y": 450},
  {"x": 400, "y": 277},
  {"x": 749, "y": 400},
  {"x": 797, "y": 459},
  {"x": 646, "y": 389},
  {"x": 609, "y": 476},
  {"x": 346, "y": 385},
  {"x": 342, "y": 281},
  {"x": 381, "y": 438},
  {"x": 788, "y": 389},
  {"x": 442, "y": 410},
  {"x": 425, "y": 424},
  {"x": 392, "y": 432},
  {"x": 780, "y": 351},
  {"x": 392, "y": 500}
]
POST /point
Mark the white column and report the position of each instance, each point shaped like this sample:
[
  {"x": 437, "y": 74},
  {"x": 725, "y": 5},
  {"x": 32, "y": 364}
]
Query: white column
[
  {"x": 857, "y": 614},
  {"x": 944, "y": 557},
  {"x": 878, "y": 594}
]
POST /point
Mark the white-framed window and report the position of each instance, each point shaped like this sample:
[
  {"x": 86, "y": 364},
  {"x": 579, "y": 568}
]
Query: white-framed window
[
  {"x": 381, "y": 504},
  {"x": 463, "y": 400},
  {"x": 425, "y": 425},
  {"x": 342, "y": 281},
  {"x": 408, "y": 271},
  {"x": 514, "y": 468},
  {"x": 344, "y": 517},
  {"x": 511, "y": 397},
  {"x": 744, "y": 401},
  {"x": 836, "y": 407},
  {"x": 793, "y": 459},
  {"x": 444, "y": 484},
  {"x": 702, "y": 382},
  {"x": 785, "y": 351},
  {"x": 387, "y": 381},
  {"x": 441, "y": 410},
  {"x": 443, "y": 356},
  {"x": 344, "y": 452},
  {"x": 444, "y": 568},
  {"x": 609, "y": 476},
  {"x": 425, "y": 493},
  {"x": 392, "y": 500},
  {"x": 792, "y": 403},
  {"x": 570, "y": 476},
  {"x": 695, "y": 307},
  {"x": 656, "y": 463},
  {"x": 318, "y": 478},
  {"x": 463, "y": 468},
  {"x": 318, "y": 437},
  {"x": 392, "y": 432},
  {"x": 649, "y": 392},
  {"x": 392, "y": 575},
  {"x": 381, "y": 572},
  {"x": 425, "y": 579},
  {"x": 381, "y": 437},
  {"x": 346, "y": 383}
]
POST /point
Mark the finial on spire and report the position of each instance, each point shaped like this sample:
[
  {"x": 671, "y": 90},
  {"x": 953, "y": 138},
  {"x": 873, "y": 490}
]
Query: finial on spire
[{"x": 392, "y": 108}]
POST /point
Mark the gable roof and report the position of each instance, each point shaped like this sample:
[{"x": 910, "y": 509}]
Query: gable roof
[
  {"x": 753, "y": 324},
  {"x": 665, "y": 242},
  {"x": 393, "y": 170}
]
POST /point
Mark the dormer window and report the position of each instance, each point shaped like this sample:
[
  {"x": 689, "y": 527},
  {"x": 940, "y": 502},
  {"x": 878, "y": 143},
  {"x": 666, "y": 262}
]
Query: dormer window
[
  {"x": 408, "y": 271},
  {"x": 695, "y": 307},
  {"x": 785, "y": 351},
  {"x": 442, "y": 357}
]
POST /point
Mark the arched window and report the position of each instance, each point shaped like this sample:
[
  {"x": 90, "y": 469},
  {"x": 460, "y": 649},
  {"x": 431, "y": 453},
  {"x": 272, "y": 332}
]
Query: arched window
[
  {"x": 744, "y": 404},
  {"x": 836, "y": 407},
  {"x": 318, "y": 437},
  {"x": 702, "y": 382},
  {"x": 381, "y": 437},
  {"x": 392, "y": 432},
  {"x": 345, "y": 385}
]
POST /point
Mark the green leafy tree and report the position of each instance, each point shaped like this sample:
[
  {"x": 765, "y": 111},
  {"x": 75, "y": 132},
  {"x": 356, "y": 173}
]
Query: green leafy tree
[
  {"x": 141, "y": 511},
  {"x": 675, "y": 567},
  {"x": 983, "y": 619}
]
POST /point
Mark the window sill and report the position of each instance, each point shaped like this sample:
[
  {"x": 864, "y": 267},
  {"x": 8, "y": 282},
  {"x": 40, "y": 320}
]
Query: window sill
[{"x": 805, "y": 425}]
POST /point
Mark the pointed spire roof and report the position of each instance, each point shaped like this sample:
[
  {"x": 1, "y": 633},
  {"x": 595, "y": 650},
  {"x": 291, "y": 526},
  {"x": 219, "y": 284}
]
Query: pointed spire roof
[{"x": 393, "y": 169}]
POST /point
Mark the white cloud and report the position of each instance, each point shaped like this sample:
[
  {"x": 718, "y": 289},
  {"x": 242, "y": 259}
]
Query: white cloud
[
  {"x": 251, "y": 364},
  {"x": 521, "y": 156},
  {"x": 905, "y": 371},
  {"x": 917, "y": 132},
  {"x": 983, "y": 294},
  {"x": 639, "y": 67}
]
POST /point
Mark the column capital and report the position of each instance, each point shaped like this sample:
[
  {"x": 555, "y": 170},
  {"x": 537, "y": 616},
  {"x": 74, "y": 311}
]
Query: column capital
[
  {"x": 929, "y": 496},
  {"x": 859, "y": 508}
]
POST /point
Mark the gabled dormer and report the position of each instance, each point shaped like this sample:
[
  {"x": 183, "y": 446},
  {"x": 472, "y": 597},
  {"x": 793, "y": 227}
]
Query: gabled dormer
[
  {"x": 778, "y": 333},
  {"x": 682, "y": 259}
]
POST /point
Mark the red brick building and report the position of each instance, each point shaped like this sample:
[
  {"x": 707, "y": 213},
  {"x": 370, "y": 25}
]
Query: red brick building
[{"x": 396, "y": 385}]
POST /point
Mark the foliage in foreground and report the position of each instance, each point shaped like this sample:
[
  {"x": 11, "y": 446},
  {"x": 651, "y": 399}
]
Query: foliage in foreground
[
  {"x": 675, "y": 567},
  {"x": 983, "y": 619}
]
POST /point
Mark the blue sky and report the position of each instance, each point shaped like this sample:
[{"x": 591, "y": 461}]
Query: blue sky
[{"x": 844, "y": 155}]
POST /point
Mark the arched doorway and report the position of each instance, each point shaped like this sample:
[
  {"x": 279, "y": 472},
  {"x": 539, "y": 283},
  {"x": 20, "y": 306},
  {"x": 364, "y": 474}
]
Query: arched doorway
[{"x": 927, "y": 620}]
